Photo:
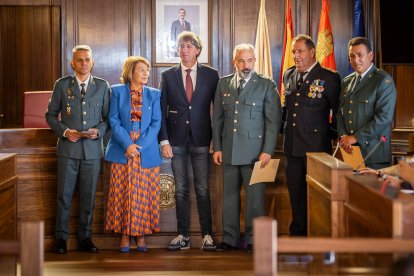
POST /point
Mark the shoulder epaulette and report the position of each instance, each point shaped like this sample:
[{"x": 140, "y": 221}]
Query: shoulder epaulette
[
  {"x": 228, "y": 76},
  {"x": 264, "y": 77},
  {"x": 332, "y": 70}
]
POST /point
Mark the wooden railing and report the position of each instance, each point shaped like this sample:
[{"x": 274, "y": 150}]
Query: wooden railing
[
  {"x": 29, "y": 248},
  {"x": 267, "y": 245}
]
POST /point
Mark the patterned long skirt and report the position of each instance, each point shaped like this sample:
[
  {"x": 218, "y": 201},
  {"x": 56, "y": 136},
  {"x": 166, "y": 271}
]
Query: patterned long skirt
[{"x": 133, "y": 199}]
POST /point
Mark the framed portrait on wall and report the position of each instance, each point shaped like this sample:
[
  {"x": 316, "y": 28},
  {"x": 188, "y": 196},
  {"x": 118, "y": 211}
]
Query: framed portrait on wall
[{"x": 173, "y": 17}]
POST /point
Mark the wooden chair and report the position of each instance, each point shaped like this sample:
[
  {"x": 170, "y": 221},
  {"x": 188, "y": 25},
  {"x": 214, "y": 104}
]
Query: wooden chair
[
  {"x": 29, "y": 248},
  {"x": 267, "y": 245}
]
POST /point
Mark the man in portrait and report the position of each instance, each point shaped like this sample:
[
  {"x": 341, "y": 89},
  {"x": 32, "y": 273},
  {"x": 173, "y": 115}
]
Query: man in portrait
[{"x": 178, "y": 26}]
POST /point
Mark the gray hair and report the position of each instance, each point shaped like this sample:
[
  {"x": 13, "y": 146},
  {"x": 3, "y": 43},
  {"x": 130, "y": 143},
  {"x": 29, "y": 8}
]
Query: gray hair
[
  {"x": 81, "y": 48},
  {"x": 243, "y": 47}
]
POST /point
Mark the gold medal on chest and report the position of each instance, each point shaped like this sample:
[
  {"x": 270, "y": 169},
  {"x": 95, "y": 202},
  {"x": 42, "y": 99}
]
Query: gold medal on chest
[{"x": 68, "y": 110}]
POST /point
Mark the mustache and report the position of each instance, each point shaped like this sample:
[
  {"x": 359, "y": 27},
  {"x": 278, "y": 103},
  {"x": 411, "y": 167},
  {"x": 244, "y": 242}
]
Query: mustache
[{"x": 245, "y": 73}]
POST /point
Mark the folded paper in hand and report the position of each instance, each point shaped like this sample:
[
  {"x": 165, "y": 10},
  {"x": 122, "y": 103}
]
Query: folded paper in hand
[
  {"x": 266, "y": 174},
  {"x": 87, "y": 133}
]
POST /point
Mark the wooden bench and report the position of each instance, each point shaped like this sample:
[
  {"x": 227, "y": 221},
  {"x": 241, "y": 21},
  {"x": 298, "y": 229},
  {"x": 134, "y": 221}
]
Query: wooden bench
[
  {"x": 29, "y": 248},
  {"x": 371, "y": 210}
]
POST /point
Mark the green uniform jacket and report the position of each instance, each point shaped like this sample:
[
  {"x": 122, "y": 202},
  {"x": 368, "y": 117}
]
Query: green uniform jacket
[
  {"x": 75, "y": 113},
  {"x": 367, "y": 112},
  {"x": 246, "y": 125}
]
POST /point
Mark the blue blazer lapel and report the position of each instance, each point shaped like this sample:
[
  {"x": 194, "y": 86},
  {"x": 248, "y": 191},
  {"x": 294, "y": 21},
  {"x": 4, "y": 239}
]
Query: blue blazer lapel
[
  {"x": 125, "y": 112},
  {"x": 146, "y": 102},
  {"x": 199, "y": 82},
  {"x": 180, "y": 83}
]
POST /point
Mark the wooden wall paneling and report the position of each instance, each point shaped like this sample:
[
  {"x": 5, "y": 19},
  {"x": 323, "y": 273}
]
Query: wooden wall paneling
[
  {"x": 245, "y": 21},
  {"x": 300, "y": 16},
  {"x": 404, "y": 74},
  {"x": 2, "y": 94},
  {"x": 403, "y": 131},
  {"x": 8, "y": 181},
  {"x": 69, "y": 37},
  {"x": 137, "y": 20},
  {"x": 56, "y": 43},
  {"x": 8, "y": 214},
  {"x": 9, "y": 104},
  {"x": 26, "y": 2},
  {"x": 106, "y": 31},
  {"x": 145, "y": 32},
  {"x": 226, "y": 36},
  {"x": 29, "y": 54},
  {"x": 214, "y": 31},
  {"x": 275, "y": 14}
]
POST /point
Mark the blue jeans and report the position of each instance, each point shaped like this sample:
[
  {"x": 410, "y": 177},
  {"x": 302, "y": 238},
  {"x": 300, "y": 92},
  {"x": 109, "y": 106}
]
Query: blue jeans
[{"x": 200, "y": 159}]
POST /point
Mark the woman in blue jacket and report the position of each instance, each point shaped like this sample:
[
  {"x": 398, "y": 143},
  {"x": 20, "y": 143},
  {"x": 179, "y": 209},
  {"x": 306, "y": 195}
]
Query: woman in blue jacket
[{"x": 135, "y": 119}]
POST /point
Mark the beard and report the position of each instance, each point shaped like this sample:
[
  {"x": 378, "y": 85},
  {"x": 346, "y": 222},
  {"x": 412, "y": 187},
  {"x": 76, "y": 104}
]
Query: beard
[{"x": 245, "y": 73}]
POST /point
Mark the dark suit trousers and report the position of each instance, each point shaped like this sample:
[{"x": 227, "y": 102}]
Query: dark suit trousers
[
  {"x": 296, "y": 179},
  {"x": 69, "y": 171},
  {"x": 233, "y": 178}
]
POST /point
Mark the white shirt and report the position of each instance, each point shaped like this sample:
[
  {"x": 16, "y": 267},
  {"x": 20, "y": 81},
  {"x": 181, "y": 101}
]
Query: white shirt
[
  {"x": 80, "y": 88},
  {"x": 85, "y": 82},
  {"x": 193, "y": 75},
  {"x": 364, "y": 73},
  {"x": 307, "y": 71},
  {"x": 238, "y": 78}
]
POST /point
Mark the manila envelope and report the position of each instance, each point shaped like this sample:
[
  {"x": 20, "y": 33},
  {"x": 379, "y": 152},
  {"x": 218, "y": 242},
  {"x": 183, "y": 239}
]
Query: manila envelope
[
  {"x": 354, "y": 159},
  {"x": 266, "y": 174}
]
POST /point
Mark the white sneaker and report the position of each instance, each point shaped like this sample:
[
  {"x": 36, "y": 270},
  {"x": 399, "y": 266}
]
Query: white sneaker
[
  {"x": 208, "y": 243},
  {"x": 179, "y": 242}
]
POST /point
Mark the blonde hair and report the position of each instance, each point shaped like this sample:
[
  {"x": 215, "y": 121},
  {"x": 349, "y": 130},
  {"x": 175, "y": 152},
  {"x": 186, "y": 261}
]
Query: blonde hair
[
  {"x": 192, "y": 38},
  {"x": 129, "y": 66}
]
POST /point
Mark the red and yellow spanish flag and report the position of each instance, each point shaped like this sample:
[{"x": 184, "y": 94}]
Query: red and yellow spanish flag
[
  {"x": 262, "y": 48},
  {"x": 325, "y": 44},
  {"x": 287, "y": 56}
]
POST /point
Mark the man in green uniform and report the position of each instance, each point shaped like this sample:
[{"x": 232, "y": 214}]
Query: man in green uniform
[
  {"x": 246, "y": 121},
  {"x": 367, "y": 105},
  {"x": 82, "y": 101}
]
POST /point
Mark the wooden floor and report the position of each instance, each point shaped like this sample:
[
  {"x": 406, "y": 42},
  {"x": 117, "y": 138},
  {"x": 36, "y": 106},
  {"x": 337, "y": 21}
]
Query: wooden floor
[{"x": 193, "y": 262}]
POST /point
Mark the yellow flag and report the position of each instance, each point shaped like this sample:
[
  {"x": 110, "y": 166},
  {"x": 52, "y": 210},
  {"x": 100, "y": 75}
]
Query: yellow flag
[{"x": 262, "y": 48}]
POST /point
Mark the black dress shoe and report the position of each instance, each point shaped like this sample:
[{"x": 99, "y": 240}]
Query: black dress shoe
[
  {"x": 249, "y": 248},
  {"x": 298, "y": 234},
  {"x": 88, "y": 246},
  {"x": 224, "y": 247},
  {"x": 61, "y": 247}
]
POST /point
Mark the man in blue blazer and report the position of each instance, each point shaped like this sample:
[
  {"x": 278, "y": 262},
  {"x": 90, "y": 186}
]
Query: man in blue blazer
[
  {"x": 82, "y": 101},
  {"x": 187, "y": 92}
]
